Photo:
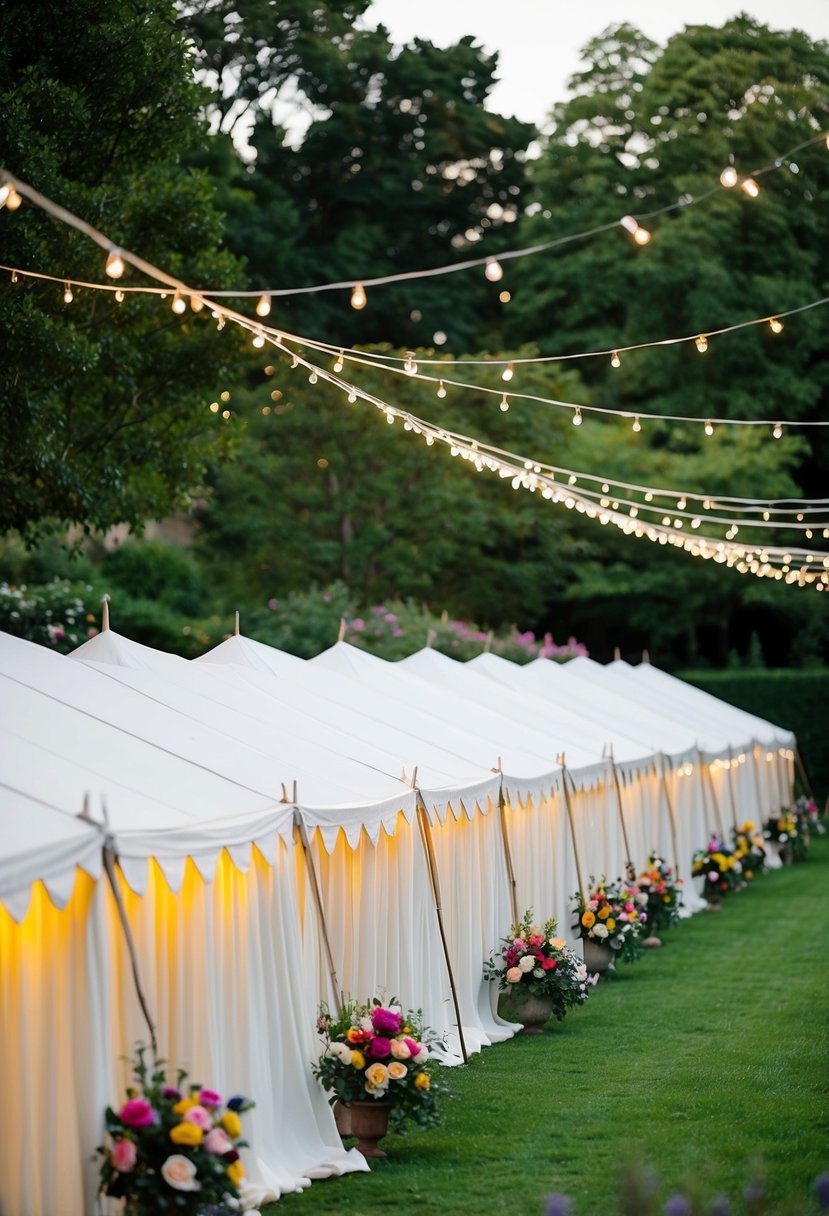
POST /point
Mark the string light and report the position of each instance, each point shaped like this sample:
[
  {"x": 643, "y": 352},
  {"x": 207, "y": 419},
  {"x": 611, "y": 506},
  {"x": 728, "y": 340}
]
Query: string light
[
  {"x": 178, "y": 305},
  {"x": 493, "y": 270},
  {"x": 508, "y": 372},
  {"x": 67, "y": 294},
  {"x": 701, "y": 343},
  {"x": 749, "y": 185},
  {"x": 505, "y": 296},
  {"x": 358, "y": 296},
  {"x": 504, "y": 403},
  {"x": 13, "y": 199},
  {"x": 263, "y": 306},
  {"x": 119, "y": 296},
  {"x": 577, "y": 419},
  {"x": 729, "y": 177},
  {"x": 196, "y": 303},
  {"x": 709, "y": 427},
  {"x": 312, "y": 379},
  {"x": 640, "y": 235},
  {"x": 114, "y": 264},
  {"x": 615, "y": 361},
  {"x": 258, "y": 340},
  {"x": 14, "y": 276},
  {"x": 778, "y": 430},
  {"x": 340, "y": 363},
  {"x": 410, "y": 367},
  {"x": 5, "y": 191},
  {"x": 441, "y": 389},
  {"x": 776, "y": 325}
]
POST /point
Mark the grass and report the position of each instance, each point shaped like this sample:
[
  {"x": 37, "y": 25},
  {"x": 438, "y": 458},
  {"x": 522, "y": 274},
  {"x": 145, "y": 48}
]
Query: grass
[{"x": 706, "y": 1059}]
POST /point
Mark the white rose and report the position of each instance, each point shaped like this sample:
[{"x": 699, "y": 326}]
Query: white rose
[
  {"x": 581, "y": 972},
  {"x": 526, "y": 963},
  {"x": 179, "y": 1172},
  {"x": 600, "y": 930},
  {"x": 538, "y": 972},
  {"x": 340, "y": 1052}
]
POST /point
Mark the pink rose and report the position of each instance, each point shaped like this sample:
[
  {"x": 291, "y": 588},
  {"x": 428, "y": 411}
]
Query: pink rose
[
  {"x": 123, "y": 1155},
  {"x": 514, "y": 975},
  {"x": 379, "y": 1048},
  {"x": 413, "y": 1047},
  {"x": 199, "y": 1116},
  {"x": 400, "y": 1049},
  {"x": 179, "y": 1172},
  {"x": 385, "y": 1021},
  {"x": 137, "y": 1113},
  {"x": 209, "y": 1097},
  {"x": 217, "y": 1141}
]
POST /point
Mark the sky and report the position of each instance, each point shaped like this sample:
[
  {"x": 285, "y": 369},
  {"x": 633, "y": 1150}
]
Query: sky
[{"x": 539, "y": 40}]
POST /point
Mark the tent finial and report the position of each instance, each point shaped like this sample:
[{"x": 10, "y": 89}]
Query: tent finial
[
  {"x": 236, "y": 629},
  {"x": 488, "y": 642},
  {"x": 430, "y": 637},
  {"x": 646, "y": 658},
  {"x": 105, "y": 614},
  {"x": 341, "y": 633},
  {"x": 617, "y": 654}
]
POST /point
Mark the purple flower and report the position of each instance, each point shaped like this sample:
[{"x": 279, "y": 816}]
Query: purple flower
[
  {"x": 677, "y": 1205},
  {"x": 391, "y": 617},
  {"x": 358, "y": 624},
  {"x": 236, "y": 1103},
  {"x": 273, "y": 605},
  {"x": 558, "y": 1205},
  {"x": 170, "y": 1091},
  {"x": 822, "y": 1189},
  {"x": 326, "y": 599},
  {"x": 137, "y": 1112}
]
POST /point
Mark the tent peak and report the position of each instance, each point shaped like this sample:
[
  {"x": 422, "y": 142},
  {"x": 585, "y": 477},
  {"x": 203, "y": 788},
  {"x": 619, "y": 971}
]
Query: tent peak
[
  {"x": 236, "y": 630},
  {"x": 105, "y": 614},
  {"x": 646, "y": 658}
]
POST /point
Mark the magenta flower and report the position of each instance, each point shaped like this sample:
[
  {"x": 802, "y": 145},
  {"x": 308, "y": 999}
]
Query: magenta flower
[
  {"x": 379, "y": 1048},
  {"x": 137, "y": 1112},
  {"x": 209, "y": 1097},
  {"x": 386, "y": 1021}
]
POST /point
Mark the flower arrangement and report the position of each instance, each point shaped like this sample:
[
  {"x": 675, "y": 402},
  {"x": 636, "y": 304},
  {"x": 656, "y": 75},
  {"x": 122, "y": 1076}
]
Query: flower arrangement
[
  {"x": 663, "y": 892},
  {"x": 173, "y": 1146},
  {"x": 719, "y": 868},
  {"x": 532, "y": 961},
  {"x": 749, "y": 849},
  {"x": 807, "y": 815},
  {"x": 373, "y": 1051},
  {"x": 784, "y": 830},
  {"x": 611, "y": 915}
]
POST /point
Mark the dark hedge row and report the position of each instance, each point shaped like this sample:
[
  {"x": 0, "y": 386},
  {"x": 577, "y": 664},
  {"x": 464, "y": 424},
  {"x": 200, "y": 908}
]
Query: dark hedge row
[{"x": 798, "y": 700}]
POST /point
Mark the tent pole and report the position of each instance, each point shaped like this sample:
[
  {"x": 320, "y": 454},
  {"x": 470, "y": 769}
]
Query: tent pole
[
  {"x": 671, "y": 814},
  {"x": 804, "y": 776},
  {"x": 755, "y": 748},
  {"x": 502, "y": 812},
  {"x": 614, "y": 770},
  {"x": 429, "y": 849},
  {"x": 731, "y": 788},
  {"x": 714, "y": 800},
  {"x": 109, "y": 867},
  {"x": 567, "y": 802},
  {"x": 301, "y": 831},
  {"x": 706, "y": 815}
]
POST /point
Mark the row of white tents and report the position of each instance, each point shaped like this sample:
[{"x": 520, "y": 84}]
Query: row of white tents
[{"x": 277, "y": 830}]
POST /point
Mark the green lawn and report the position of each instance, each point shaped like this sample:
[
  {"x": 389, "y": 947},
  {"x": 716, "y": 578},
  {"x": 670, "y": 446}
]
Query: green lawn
[{"x": 704, "y": 1059}]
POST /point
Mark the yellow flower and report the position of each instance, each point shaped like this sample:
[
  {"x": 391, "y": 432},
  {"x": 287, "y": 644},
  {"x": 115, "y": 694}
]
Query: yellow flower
[
  {"x": 358, "y": 1060},
  {"x": 611, "y": 924},
  {"x": 182, "y": 1107},
  {"x": 377, "y": 1074},
  {"x": 422, "y": 1080},
  {"x": 558, "y": 943},
  {"x": 588, "y": 920},
  {"x": 354, "y": 1035},
  {"x": 236, "y": 1172},
  {"x": 604, "y": 912},
  {"x": 397, "y": 1071},
  {"x": 406, "y": 1030},
  {"x": 232, "y": 1124},
  {"x": 189, "y": 1134},
  {"x": 666, "y": 899}
]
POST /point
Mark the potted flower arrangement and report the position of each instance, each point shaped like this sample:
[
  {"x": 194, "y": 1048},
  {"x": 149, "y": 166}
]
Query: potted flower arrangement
[
  {"x": 609, "y": 920},
  {"x": 375, "y": 1066},
  {"x": 173, "y": 1147},
  {"x": 749, "y": 850},
  {"x": 782, "y": 831},
  {"x": 542, "y": 977},
  {"x": 719, "y": 870},
  {"x": 662, "y": 892},
  {"x": 807, "y": 814}
]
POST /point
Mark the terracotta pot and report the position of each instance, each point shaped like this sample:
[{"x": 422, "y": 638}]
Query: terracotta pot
[
  {"x": 368, "y": 1121},
  {"x": 652, "y": 943},
  {"x": 533, "y": 1012},
  {"x": 597, "y": 958}
]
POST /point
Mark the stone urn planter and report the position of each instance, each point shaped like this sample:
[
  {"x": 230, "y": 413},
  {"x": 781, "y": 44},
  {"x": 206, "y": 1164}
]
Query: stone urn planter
[
  {"x": 597, "y": 957},
  {"x": 533, "y": 1013},
  {"x": 368, "y": 1121}
]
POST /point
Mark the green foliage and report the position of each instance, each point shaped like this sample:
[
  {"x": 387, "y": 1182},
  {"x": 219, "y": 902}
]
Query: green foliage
[
  {"x": 59, "y": 614},
  {"x": 157, "y": 571}
]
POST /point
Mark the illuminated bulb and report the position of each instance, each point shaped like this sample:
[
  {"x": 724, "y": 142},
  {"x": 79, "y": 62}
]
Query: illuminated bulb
[
  {"x": 577, "y": 417},
  {"x": 14, "y": 276},
  {"x": 178, "y": 305},
  {"x": 119, "y": 296},
  {"x": 695, "y": 523},
  {"x": 778, "y": 430},
  {"x": 263, "y": 306},
  {"x": 410, "y": 367},
  {"x": 352, "y": 397},
  {"x": 615, "y": 361},
  {"x": 709, "y": 427},
  {"x": 214, "y": 407},
  {"x": 358, "y": 296},
  {"x": 67, "y": 293},
  {"x": 629, "y": 224},
  {"x": 441, "y": 389},
  {"x": 508, "y": 372},
  {"x": 312, "y": 379},
  {"x": 571, "y": 480},
  {"x": 637, "y": 425},
  {"x": 649, "y": 496},
  {"x": 729, "y": 177},
  {"x": 339, "y": 365},
  {"x": 494, "y": 270},
  {"x": 196, "y": 303},
  {"x": 13, "y": 199},
  {"x": 750, "y": 187},
  {"x": 390, "y": 419},
  {"x": 504, "y": 404},
  {"x": 701, "y": 343},
  {"x": 681, "y": 505},
  {"x": 775, "y": 325},
  {"x": 641, "y": 236},
  {"x": 258, "y": 341},
  {"x": 114, "y": 265},
  {"x": 505, "y": 296}
]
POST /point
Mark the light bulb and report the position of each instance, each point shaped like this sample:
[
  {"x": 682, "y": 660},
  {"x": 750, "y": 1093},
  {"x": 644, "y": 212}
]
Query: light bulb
[
  {"x": 358, "y": 296},
  {"x": 775, "y": 325},
  {"x": 410, "y": 367},
  {"x": 119, "y": 296},
  {"x": 701, "y": 343},
  {"x": 637, "y": 425},
  {"x": 494, "y": 270},
  {"x": 312, "y": 379},
  {"x": 729, "y": 177},
  {"x": 178, "y": 305},
  {"x": 508, "y": 372},
  {"x": 339, "y": 365},
  {"x": 196, "y": 303},
  {"x": 750, "y": 186},
  {"x": 13, "y": 199},
  {"x": 778, "y": 430},
  {"x": 15, "y": 277},
  {"x": 504, "y": 404},
  {"x": 258, "y": 341},
  {"x": 114, "y": 264},
  {"x": 390, "y": 419},
  {"x": 641, "y": 236},
  {"x": 505, "y": 296},
  {"x": 615, "y": 361},
  {"x": 67, "y": 293},
  {"x": 577, "y": 417},
  {"x": 629, "y": 224},
  {"x": 352, "y": 397},
  {"x": 709, "y": 427},
  {"x": 441, "y": 389},
  {"x": 263, "y": 306}
]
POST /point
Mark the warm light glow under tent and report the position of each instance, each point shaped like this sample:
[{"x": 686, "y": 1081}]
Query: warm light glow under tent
[{"x": 182, "y": 767}]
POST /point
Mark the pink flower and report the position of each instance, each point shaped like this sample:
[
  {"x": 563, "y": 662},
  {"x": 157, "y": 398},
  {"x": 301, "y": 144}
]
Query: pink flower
[
  {"x": 379, "y": 1048},
  {"x": 137, "y": 1113},
  {"x": 217, "y": 1141},
  {"x": 386, "y": 1021},
  {"x": 179, "y": 1172},
  {"x": 413, "y": 1047},
  {"x": 209, "y": 1097},
  {"x": 199, "y": 1116},
  {"x": 514, "y": 975},
  {"x": 123, "y": 1155}
]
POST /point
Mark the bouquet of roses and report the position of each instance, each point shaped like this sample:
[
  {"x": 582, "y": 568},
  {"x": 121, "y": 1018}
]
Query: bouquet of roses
[
  {"x": 662, "y": 891},
  {"x": 375, "y": 1051},
  {"x": 784, "y": 830},
  {"x": 173, "y": 1145},
  {"x": 532, "y": 961},
  {"x": 610, "y": 915},
  {"x": 749, "y": 849},
  {"x": 807, "y": 816},
  {"x": 720, "y": 869}
]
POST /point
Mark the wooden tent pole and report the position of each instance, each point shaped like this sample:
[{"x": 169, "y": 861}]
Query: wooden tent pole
[
  {"x": 706, "y": 816},
  {"x": 671, "y": 813},
  {"x": 429, "y": 849},
  {"x": 502, "y": 813},
  {"x": 714, "y": 799},
  {"x": 614, "y": 770},
  {"x": 301, "y": 832},
  {"x": 804, "y": 776},
  {"x": 567, "y": 802},
  {"x": 731, "y": 789},
  {"x": 109, "y": 867}
]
